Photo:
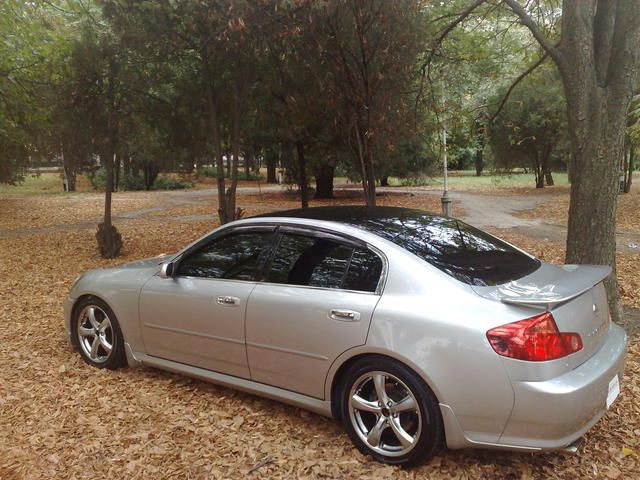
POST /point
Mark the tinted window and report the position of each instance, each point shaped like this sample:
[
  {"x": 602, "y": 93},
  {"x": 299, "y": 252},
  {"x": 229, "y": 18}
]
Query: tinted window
[
  {"x": 234, "y": 256},
  {"x": 302, "y": 260},
  {"x": 464, "y": 252},
  {"x": 364, "y": 271}
]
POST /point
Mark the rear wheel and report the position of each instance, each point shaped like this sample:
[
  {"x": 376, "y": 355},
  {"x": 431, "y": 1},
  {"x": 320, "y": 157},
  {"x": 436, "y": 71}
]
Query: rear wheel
[
  {"x": 389, "y": 412},
  {"x": 97, "y": 334}
]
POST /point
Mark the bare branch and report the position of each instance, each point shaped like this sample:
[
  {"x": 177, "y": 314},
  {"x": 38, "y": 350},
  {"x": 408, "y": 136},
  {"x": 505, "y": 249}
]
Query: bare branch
[
  {"x": 449, "y": 28},
  {"x": 517, "y": 80},
  {"x": 528, "y": 22}
]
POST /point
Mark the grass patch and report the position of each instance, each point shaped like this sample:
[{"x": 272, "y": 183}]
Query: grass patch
[{"x": 466, "y": 180}]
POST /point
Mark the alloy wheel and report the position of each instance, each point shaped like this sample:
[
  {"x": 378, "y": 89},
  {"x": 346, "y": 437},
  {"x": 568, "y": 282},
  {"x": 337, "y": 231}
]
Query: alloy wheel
[
  {"x": 95, "y": 334},
  {"x": 385, "y": 414}
]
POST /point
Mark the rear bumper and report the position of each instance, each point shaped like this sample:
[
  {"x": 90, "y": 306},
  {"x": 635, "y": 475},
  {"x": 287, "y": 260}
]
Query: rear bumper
[{"x": 551, "y": 414}]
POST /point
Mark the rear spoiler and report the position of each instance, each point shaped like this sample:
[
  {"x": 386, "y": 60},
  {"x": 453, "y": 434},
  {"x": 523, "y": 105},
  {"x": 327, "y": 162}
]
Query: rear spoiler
[{"x": 548, "y": 286}]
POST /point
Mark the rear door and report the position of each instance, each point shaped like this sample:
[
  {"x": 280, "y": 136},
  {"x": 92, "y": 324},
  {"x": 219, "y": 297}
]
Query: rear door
[
  {"x": 316, "y": 301},
  {"x": 197, "y": 317}
]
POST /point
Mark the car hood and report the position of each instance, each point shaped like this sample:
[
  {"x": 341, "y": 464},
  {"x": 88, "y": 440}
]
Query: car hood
[
  {"x": 128, "y": 276},
  {"x": 146, "y": 263}
]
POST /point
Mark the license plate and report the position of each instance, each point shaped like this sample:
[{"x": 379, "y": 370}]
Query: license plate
[{"x": 614, "y": 390}]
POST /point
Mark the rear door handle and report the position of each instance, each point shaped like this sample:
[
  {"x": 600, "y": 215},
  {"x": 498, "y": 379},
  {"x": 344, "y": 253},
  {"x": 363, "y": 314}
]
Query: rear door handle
[
  {"x": 228, "y": 301},
  {"x": 344, "y": 315}
]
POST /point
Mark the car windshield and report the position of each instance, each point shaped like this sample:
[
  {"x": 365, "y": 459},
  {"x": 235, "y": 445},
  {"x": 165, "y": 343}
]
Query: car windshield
[{"x": 460, "y": 250}]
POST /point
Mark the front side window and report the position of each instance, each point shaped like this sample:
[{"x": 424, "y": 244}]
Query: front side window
[
  {"x": 235, "y": 256},
  {"x": 321, "y": 262}
]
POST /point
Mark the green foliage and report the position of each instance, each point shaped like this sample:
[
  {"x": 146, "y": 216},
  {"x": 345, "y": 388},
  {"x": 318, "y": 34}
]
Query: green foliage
[
  {"x": 131, "y": 182},
  {"x": 531, "y": 125},
  {"x": 98, "y": 178},
  {"x": 168, "y": 183},
  {"x": 134, "y": 181}
]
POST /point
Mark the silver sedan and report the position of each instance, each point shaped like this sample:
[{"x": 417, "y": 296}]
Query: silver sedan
[{"x": 411, "y": 328}]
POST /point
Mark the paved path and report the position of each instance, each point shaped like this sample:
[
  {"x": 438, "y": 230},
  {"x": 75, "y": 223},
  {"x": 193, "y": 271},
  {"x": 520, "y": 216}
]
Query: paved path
[{"x": 480, "y": 209}]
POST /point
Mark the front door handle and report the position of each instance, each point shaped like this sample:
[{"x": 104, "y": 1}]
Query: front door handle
[
  {"x": 228, "y": 301},
  {"x": 344, "y": 315}
]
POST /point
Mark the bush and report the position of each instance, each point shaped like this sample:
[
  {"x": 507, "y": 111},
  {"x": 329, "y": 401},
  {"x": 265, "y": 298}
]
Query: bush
[
  {"x": 413, "y": 181},
  {"x": 131, "y": 182},
  {"x": 210, "y": 172},
  {"x": 167, "y": 183},
  {"x": 134, "y": 181},
  {"x": 98, "y": 178},
  {"x": 252, "y": 176}
]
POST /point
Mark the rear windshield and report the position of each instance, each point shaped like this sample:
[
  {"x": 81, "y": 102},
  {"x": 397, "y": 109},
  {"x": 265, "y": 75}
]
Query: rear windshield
[{"x": 464, "y": 252}]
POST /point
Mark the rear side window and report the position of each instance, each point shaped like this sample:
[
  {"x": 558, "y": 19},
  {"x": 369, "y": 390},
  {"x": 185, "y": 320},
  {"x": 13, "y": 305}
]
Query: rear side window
[
  {"x": 321, "y": 262},
  {"x": 236, "y": 256},
  {"x": 364, "y": 271},
  {"x": 462, "y": 251}
]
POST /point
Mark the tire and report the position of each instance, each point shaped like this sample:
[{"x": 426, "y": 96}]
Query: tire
[
  {"x": 408, "y": 430},
  {"x": 95, "y": 328}
]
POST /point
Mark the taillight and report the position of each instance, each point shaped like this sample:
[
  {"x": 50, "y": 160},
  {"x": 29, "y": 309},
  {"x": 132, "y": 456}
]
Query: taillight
[{"x": 535, "y": 339}]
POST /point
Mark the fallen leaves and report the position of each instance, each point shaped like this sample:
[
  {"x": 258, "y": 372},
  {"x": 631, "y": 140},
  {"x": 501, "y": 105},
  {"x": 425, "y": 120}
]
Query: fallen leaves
[
  {"x": 557, "y": 210},
  {"x": 60, "y": 418}
]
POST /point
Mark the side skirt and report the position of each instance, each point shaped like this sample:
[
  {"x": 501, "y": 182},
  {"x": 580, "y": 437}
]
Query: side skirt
[{"x": 315, "y": 405}]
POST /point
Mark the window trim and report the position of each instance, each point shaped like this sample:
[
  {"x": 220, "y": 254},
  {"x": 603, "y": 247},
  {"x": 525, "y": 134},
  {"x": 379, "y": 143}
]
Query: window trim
[
  {"x": 276, "y": 228},
  {"x": 338, "y": 237},
  {"x": 219, "y": 235}
]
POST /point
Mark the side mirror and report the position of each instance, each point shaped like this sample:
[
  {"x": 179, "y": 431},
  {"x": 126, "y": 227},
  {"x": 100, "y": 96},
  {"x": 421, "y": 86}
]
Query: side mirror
[{"x": 166, "y": 270}]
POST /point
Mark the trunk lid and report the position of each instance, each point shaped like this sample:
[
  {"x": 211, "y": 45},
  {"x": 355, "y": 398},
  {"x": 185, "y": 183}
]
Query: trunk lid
[{"x": 575, "y": 296}]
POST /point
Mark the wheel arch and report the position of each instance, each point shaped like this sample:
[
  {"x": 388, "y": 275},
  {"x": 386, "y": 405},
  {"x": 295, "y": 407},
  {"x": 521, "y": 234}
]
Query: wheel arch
[
  {"x": 85, "y": 296},
  {"x": 342, "y": 364}
]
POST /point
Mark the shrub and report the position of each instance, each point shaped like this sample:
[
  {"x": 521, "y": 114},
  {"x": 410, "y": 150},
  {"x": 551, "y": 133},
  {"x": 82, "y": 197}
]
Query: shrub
[
  {"x": 131, "y": 182},
  {"x": 167, "y": 183},
  {"x": 98, "y": 178},
  {"x": 210, "y": 172}
]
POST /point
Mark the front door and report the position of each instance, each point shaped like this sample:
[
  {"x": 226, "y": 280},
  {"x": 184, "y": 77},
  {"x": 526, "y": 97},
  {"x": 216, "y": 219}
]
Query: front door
[
  {"x": 197, "y": 317},
  {"x": 316, "y": 302}
]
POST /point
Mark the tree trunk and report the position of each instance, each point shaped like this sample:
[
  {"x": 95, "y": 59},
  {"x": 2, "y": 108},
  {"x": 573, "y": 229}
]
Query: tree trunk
[
  {"x": 324, "y": 181},
  {"x": 365, "y": 158},
  {"x": 479, "y": 162},
  {"x": 149, "y": 174},
  {"x": 272, "y": 161},
  {"x": 629, "y": 176},
  {"x": 598, "y": 61},
  {"x": 215, "y": 134},
  {"x": 71, "y": 175},
  {"x": 108, "y": 237},
  {"x": 302, "y": 176},
  {"x": 537, "y": 169},
  {"x": 257, "y": 163},
  {"x": 248, "y": 162},
  {"x": 546, "y": 168},
  {"x": 116, "y": 172},
  {"x": 126, "y": 162},
  {"x": 228, "y": 211}
]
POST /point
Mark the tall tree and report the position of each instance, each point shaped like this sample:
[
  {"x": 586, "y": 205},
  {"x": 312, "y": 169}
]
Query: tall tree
[
  {"x": 369, "y": 50},
  {"x": 530, "y": 125},
  {"x": 597, "y": 54}
]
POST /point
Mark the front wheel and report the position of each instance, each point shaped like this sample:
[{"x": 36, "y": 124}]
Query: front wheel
[
  {"x": 96, "y": 333},
  {"x": 390, "y": 413}
]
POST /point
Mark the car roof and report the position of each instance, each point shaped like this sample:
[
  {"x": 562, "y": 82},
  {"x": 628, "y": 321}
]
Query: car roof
[{"x": 367, "y": 218}]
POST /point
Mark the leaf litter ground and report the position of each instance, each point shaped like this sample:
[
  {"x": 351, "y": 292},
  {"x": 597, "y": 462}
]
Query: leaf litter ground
[{"x": 60, "y": 418}]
